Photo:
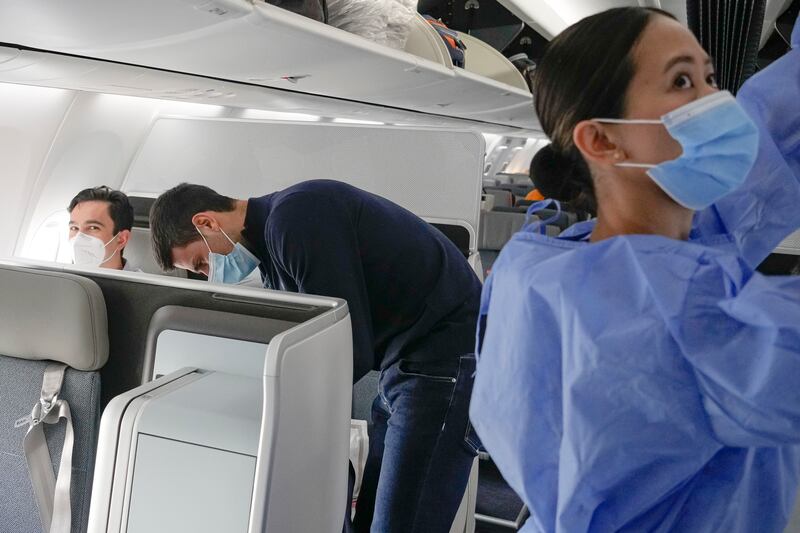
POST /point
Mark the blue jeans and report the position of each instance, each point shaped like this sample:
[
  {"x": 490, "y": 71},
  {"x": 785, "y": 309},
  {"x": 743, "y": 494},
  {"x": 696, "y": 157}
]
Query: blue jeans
[{"x": 421, "y": 447}]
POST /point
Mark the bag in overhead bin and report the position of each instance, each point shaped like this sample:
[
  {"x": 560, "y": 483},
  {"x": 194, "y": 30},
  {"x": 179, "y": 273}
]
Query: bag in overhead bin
[
  {"x": 386, "y": 22},
  {"x": 454, "y": 45},
  {"x": 525, "y": 65},
  {"x": 313, "y": 9}
]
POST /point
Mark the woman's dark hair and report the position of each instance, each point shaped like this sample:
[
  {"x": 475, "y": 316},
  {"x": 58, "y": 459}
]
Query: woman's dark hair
[{"x": 584, "y": 74}]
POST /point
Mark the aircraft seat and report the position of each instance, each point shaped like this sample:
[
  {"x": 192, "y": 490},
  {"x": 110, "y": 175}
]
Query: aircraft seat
[
  {"x": 139, "y": 252},
  {"x": 497, "y": 227},
  {"x": 242, "y": 435},
  {"x": 48, "y": 319},
  {"x": 502, "y": 197}
]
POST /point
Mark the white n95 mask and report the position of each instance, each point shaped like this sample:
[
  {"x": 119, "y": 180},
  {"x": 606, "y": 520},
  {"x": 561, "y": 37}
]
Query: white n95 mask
[{"x": 90, "y": 251}]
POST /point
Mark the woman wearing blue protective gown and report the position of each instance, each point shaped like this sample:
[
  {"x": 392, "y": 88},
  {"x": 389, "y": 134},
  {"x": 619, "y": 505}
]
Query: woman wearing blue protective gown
[{"x": 636, "y": 373}]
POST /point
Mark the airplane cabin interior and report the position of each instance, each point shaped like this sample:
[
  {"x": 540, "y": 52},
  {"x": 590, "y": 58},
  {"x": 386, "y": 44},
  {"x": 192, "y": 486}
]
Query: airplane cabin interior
[{"x": 197, "y": 406}]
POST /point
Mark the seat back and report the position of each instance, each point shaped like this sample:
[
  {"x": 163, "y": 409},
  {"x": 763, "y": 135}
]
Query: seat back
[
  {"x": 48, "y": 317},
  {"x": 283, "y": 359},
  {"x": 497, "y": 227},
  {"x": 502, "y": 197},
  {"x": 140, "y": 253}
]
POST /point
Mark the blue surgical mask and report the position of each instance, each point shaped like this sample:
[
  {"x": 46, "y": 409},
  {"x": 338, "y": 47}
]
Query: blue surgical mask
[
  {"x": 252, "y": 280},
  {"x": 232, "y": 268},
  {"x": 719, "y": 143}
]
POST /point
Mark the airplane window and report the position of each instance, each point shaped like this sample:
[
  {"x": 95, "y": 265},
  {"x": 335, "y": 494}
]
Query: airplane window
[
  {"x": 50, "y": 241},
  {"x": 520, "y": 159}
]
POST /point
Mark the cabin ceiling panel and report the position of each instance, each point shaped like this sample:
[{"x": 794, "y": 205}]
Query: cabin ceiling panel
[
  {"x": 433, "y": 173},
  {"x": 256, "y": 44}
]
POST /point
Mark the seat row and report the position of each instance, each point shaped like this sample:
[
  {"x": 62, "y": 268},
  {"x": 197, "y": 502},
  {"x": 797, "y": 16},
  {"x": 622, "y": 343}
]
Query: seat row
[{"x": 225, "y": 424}]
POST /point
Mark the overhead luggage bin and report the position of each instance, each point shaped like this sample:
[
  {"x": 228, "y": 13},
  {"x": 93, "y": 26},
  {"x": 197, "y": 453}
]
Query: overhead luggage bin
[
  {"x": 257, "y": 43},
  {"x": 423, "y": 41},
  {"x": 482, "y": 59}
]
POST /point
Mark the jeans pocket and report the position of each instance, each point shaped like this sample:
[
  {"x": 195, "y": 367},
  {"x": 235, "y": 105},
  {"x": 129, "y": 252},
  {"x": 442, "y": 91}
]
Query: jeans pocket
[{"x": 433, "y": 371}]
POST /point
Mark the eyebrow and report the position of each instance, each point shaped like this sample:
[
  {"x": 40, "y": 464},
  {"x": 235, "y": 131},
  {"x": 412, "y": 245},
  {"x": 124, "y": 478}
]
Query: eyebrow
[
  {"x": 685, "y": 59},
  {"x": 97, "y": 222}
]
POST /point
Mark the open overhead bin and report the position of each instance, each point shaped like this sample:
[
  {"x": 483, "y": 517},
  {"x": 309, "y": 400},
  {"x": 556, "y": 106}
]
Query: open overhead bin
[
  {"x": 482, "y": 59},
  {"x": 260, "y": 44}
]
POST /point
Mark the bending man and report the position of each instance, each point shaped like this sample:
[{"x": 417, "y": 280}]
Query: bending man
[{"x": 413, "y": 300}]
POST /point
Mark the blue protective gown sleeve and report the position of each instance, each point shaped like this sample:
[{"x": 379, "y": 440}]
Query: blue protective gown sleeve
[
  {"x": 745, "y": 352},
  {"x": 761, "y": 213}
]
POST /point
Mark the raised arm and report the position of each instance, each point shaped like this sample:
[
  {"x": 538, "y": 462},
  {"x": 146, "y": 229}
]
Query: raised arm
[
  {"x": 745, "y": 351},
  {"x": 766, "y": 208}
]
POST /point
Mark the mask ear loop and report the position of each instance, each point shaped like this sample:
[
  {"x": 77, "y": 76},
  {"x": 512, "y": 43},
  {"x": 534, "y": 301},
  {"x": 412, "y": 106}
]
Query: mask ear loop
[
  {"x": 635, "y": 165},
  {"x": 110, "y": 257},
  {"x": 631, "y": 121},
  {"x": 226, "y": 236},
  {"x": 204, "y": 239},
  {"x": 210, "y": 263}
]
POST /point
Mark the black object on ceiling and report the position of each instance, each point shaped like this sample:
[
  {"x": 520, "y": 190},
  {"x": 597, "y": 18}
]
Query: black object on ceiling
[
  {"x": 529, "y": 42},
  {"x": 466, "y": 15},
  {"x": 489, "y": 21},
  {"x": 778, "y": 43},
  {"x": 730, "y": 31}
]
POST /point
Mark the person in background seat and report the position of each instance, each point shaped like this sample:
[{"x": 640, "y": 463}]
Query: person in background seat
[{"x": 100, "y": 225}]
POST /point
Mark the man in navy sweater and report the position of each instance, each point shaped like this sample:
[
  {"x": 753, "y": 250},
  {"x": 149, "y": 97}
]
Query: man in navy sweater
[{"x": 413, "y": 301}]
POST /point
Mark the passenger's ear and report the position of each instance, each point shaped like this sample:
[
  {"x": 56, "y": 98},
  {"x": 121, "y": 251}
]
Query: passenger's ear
[
  {"x": 123, "y": 237},
  {"x": 205, "y": 219},
  {"x": 595, "y": 141}
]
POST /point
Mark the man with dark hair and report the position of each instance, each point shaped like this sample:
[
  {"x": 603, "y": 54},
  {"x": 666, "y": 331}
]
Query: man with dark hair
[
  {"x": 413, "y": 301},
  {"x": 100, "y": 225}
]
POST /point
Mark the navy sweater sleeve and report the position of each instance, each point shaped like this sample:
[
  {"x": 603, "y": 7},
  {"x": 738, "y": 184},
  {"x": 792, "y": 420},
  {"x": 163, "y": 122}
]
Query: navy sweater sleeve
[{"x": 315, "y": 247}]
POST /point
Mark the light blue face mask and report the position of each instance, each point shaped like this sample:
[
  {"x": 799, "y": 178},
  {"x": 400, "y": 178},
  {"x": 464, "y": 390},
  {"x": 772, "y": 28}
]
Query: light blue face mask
[
  {"x": 233, "y": 268},
  {"x": 719, "y": 144}
]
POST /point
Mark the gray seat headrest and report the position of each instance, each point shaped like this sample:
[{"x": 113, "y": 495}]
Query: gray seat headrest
[
  {"x": 52, "y": 315},
  {"x": 140, "y": 253}
]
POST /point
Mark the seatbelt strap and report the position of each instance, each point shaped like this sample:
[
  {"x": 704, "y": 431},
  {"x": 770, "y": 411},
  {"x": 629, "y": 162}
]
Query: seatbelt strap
[{"x": 52, "y": 495}]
